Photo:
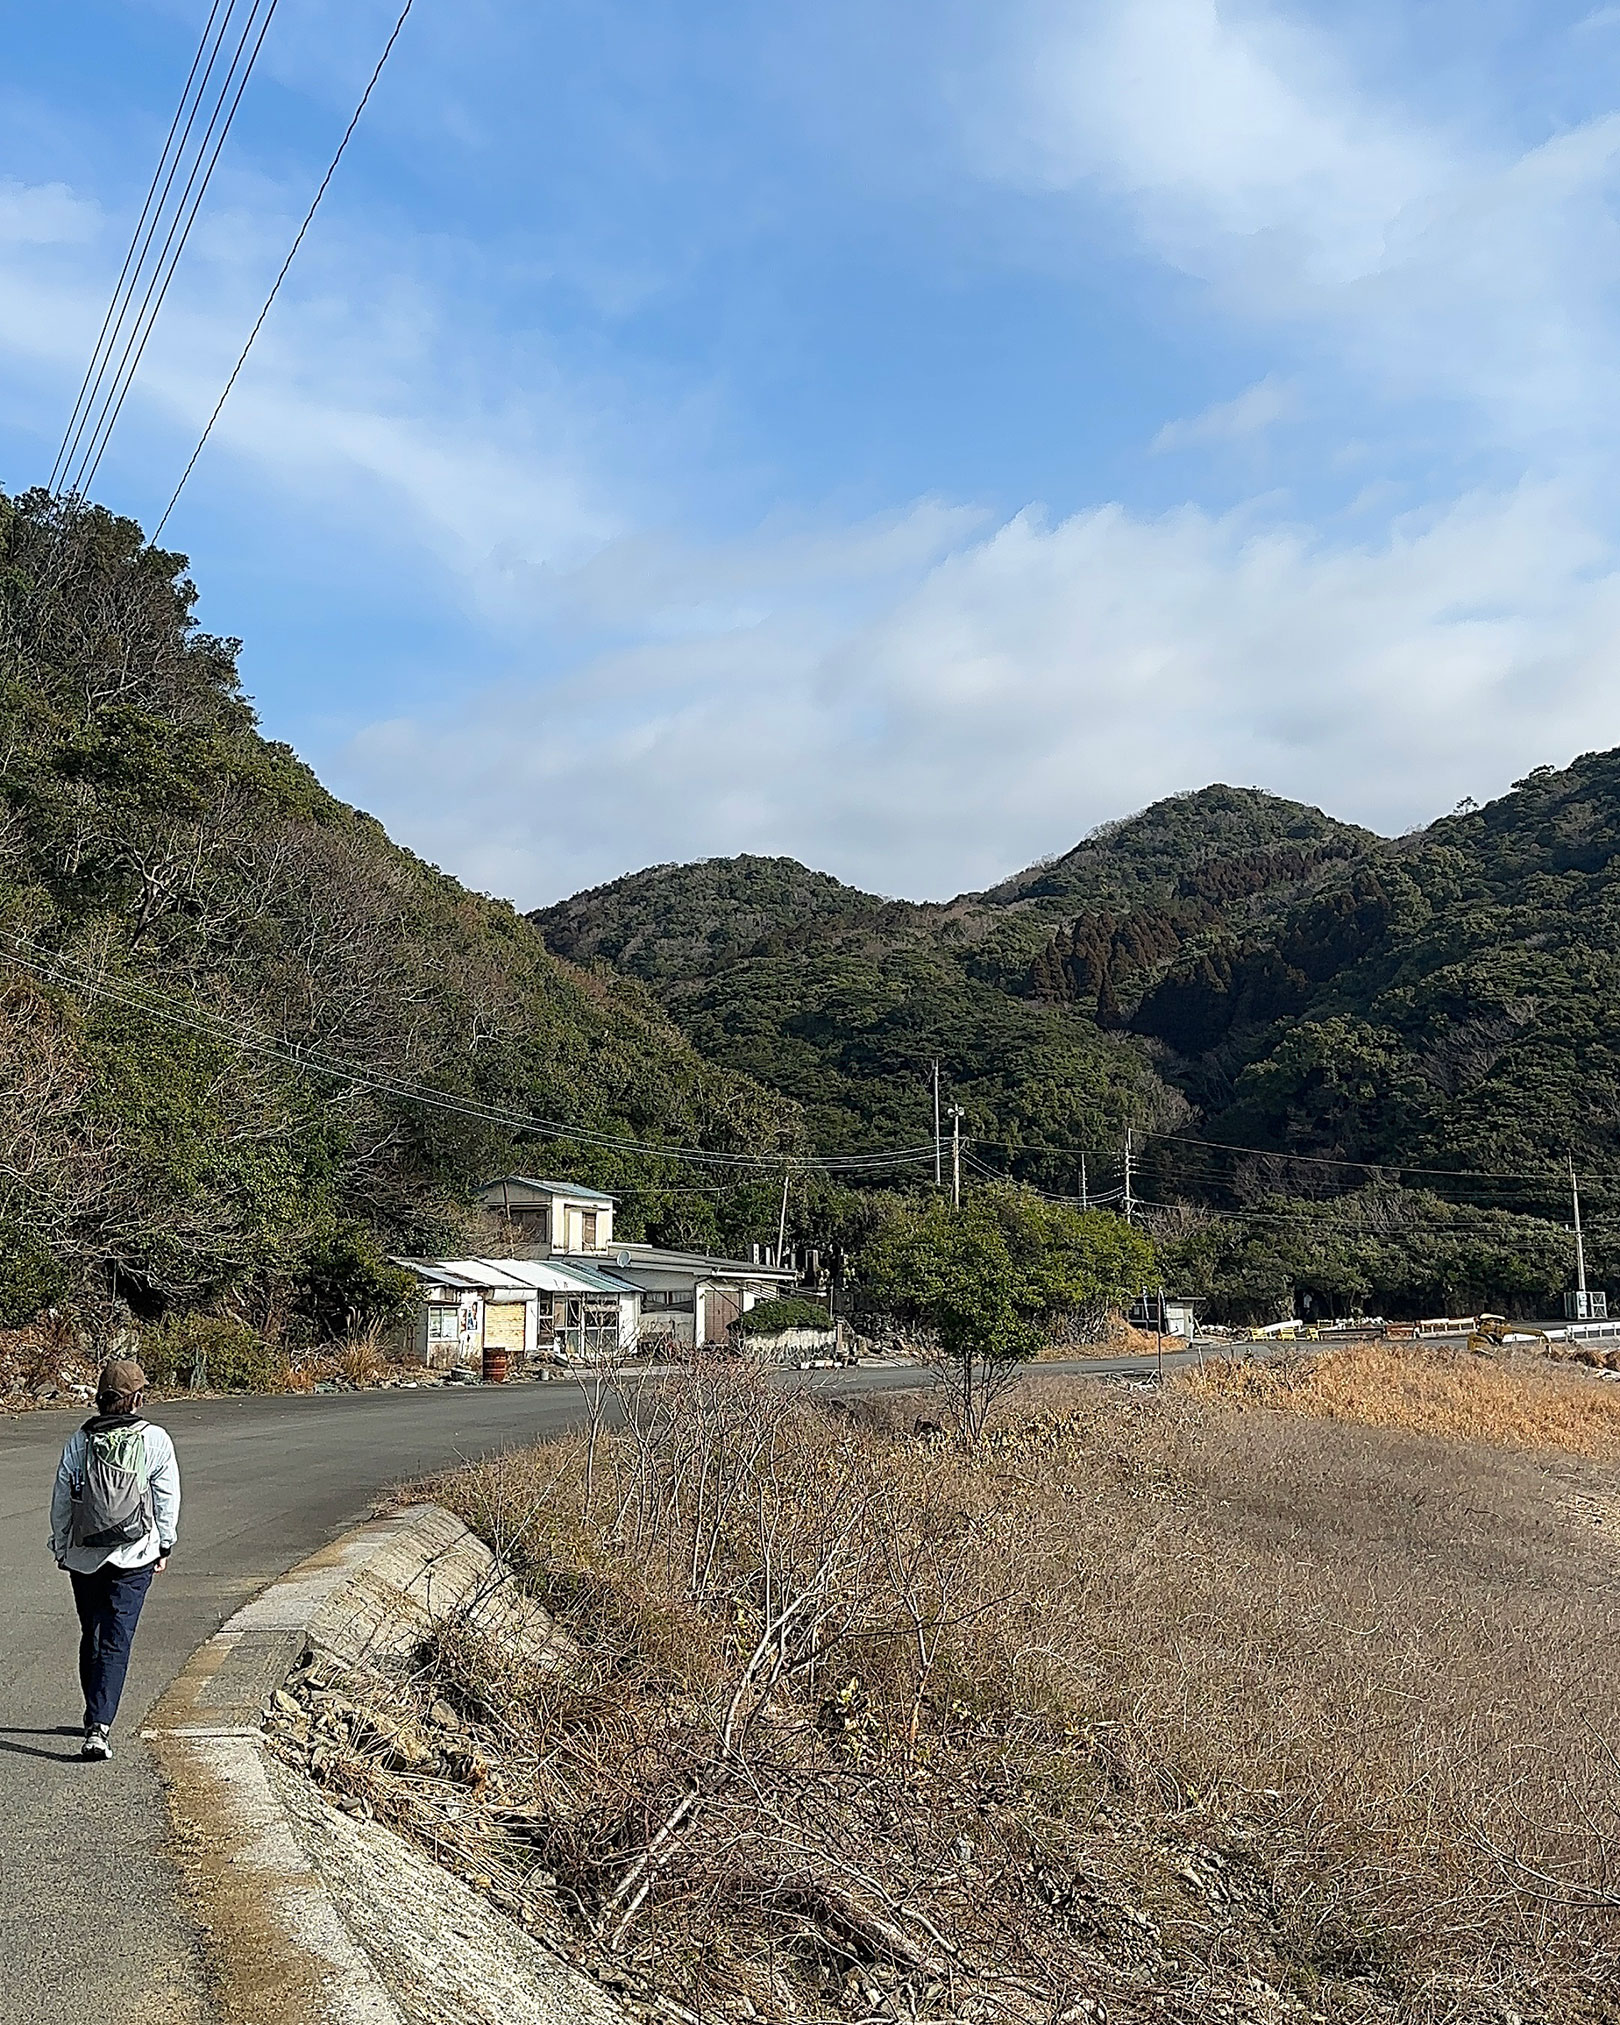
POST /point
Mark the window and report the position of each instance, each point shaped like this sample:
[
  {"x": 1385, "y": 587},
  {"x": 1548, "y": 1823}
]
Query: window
[
  {"x": 601, "y": 1328},
  {"x": 444, "y": 1324},
  {"x": 591, "y": 1327},
  {"x": 662, "y": 1300},
  {"x": 587, "y": 1230}
]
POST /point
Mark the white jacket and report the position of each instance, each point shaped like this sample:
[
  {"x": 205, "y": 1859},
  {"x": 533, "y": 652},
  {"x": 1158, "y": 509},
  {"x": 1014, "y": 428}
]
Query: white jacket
[{"x": 163, "y": 1473}]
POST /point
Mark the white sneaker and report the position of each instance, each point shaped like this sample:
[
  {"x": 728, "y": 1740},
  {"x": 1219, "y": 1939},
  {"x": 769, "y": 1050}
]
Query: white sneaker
[{"x": 96, "y": 1742}]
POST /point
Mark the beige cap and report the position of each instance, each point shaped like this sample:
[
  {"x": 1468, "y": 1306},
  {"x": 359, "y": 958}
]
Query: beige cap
[{"x": 121, "y": 1379}]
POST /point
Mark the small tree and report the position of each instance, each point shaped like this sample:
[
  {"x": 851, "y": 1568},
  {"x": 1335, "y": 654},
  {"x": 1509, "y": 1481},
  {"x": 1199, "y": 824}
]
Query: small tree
[{"x": 986, "y": 1278}]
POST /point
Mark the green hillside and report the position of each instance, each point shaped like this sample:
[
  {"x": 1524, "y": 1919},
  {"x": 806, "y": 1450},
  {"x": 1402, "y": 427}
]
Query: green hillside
[
  {"x": 1227, "y": 970},
  {"x": 186, "y": 915},
  {"x": 843, "y": 1000}
]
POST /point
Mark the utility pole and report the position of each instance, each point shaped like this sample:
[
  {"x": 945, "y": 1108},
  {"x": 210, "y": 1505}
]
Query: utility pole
[
  {"x": 1580, "y": 1248},
  {"x": 1158, "y": 1324},
  {"x": 938, "y": 1177},
  {"x": 1084, "y": 1203},
  {"x": 781, "y": 1228},
  {"x": 1130, "y": 1200},
  {"x": 957, "y": 1115}
]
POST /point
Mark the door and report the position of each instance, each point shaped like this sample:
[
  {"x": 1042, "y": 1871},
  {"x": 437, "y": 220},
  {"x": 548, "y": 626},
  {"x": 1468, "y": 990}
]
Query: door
[
  {"x": 503, "y": 1326},
  {"x": 721, "y": 1307}
]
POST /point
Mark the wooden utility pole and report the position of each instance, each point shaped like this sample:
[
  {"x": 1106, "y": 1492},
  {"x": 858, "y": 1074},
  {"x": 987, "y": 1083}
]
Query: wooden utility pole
[{"x": 957, "y": 1115}]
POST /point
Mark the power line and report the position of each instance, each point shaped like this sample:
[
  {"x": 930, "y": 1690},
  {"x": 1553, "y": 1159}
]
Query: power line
[
  {"x": 1466, "y": 1213},
  {"x": 285, "y": 265},
  {"x": 91, "y": 372},
  {"x": 1030, "y": 1149},
  {"x": 81, "y": 477},
  {"x": 237, "y": 1033}
]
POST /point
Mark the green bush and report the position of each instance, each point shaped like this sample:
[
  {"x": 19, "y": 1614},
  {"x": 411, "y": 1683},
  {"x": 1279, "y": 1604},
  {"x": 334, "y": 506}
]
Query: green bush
[
  {"x": 350, "y": 1283},
  {"x": 793, "y": 1311},
  {"x": 211, "y": 1353}
]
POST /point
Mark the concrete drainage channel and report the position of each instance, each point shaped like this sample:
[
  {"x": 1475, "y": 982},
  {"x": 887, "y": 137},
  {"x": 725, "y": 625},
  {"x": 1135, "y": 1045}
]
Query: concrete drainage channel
[{"x": 314, "y": 1917}]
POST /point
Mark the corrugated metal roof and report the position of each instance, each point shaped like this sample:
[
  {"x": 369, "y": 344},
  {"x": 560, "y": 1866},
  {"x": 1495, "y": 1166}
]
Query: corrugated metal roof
[
  {"x": 546, "y": 1276},
  {"x": 656, "y": 1258},
  {"x": 568, "y": 1188}
]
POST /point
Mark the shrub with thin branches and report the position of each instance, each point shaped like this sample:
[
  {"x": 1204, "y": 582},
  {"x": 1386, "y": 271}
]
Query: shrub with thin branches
[{"x": 1138, "y": 1702}]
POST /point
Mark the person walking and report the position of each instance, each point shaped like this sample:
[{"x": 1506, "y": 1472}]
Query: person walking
[{"x": 115, "y": 1515}]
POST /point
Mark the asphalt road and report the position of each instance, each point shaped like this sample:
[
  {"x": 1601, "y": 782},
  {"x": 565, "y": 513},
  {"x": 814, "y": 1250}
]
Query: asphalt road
[{"x": 92, "y": 1930}]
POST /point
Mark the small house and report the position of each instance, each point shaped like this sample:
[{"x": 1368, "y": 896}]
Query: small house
[
  {"x": 534, "y": 1309},
  {"x": 570, "y": 1289},
  {"x": 550, "y": 1216}
]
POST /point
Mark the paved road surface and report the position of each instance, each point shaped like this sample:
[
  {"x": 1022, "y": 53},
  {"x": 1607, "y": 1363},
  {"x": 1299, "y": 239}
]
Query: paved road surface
[{"x": 91, "y": 1927}]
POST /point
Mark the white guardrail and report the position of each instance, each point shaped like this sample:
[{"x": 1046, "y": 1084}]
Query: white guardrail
[{"x": 1584, "y": 1332}]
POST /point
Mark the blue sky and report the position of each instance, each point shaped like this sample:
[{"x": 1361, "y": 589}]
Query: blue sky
[{"x": 902, "y": 435}]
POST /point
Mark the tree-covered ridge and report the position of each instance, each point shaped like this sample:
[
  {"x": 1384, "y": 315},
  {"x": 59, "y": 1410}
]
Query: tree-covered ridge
[
  {"x": 1254, "y": 974},
  {"x": 844, "y": 1000},
  {"x": 676, "y": 922},
  {"x": 1145, "y": 857},
  {"x": 1303, "y": 986},
  {"x": 185, "y": 912}
]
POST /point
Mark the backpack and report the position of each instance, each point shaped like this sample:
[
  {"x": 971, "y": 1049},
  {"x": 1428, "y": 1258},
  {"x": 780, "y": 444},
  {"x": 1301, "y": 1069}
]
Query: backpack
[{"x": 112, "y": 1502}]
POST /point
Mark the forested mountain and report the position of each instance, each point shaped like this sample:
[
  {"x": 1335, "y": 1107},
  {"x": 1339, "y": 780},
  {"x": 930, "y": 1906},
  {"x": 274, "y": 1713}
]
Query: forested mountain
[
  {"x": 187, "y": 917},
  {"x": 1227, "y": 970},
  {"x": 844, "y": 1000},
  {"x": 1353, "y": 1066}
]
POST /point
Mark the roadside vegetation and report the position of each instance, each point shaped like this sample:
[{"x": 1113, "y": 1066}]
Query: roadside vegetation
[
  {"x": 189, "y": 922},
  {"x": 1141, "y": 1706},
  {"x": 1518, "y": 1403}
]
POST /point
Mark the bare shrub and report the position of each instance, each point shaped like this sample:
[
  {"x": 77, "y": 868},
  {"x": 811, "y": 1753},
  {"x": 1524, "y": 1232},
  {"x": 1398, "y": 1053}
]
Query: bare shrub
[{"x": 1138, "y": 1700}]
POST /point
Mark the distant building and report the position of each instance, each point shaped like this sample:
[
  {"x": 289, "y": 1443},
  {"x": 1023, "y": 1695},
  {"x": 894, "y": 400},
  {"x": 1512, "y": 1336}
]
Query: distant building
[
  {"x": 569, "y": 1289},
  {"x": 1167, "y": 1314},
  {"x": 550, "y": 1216}
]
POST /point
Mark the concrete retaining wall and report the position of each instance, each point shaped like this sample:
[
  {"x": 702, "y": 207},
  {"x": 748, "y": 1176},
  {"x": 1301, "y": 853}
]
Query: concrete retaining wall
[{"x": 315, "y": 1918}]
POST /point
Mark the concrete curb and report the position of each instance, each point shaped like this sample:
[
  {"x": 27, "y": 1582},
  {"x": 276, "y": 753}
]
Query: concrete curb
[{"x": 280, "y": 1952}]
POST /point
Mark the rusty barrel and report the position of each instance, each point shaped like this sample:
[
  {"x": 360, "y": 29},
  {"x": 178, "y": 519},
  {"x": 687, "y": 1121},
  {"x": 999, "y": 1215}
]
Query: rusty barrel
[{"x": 497, "y": 1363}]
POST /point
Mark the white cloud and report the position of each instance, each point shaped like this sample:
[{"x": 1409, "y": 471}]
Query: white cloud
[
  {"x": 1031, "y": 683},
  {"x": 1249, "y": 414},
  {"x": 1243, "y": 150},
  {"x": 347, "y": 394},
  {"x": 44, "y": 214},
  {"x": 1218, "y": 125}
]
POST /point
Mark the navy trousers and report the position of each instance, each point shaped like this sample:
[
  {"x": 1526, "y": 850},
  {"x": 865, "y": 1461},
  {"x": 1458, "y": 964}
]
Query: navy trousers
[{"x": 109, "y": 1606}]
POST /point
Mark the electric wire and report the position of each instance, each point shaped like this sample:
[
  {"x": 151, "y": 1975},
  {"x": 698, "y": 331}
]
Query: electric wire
[
  {"x": 41, "y": 964},
  {"x": 91, "y": 373},
  {"x": 1272, "y": 1153},
  {"x": 1467, "y": 1217},
  {"x": 275, "y": 289},
  {"x": 163, "y": 274},
  {"x": 53, "y": 968},
  {"x": 157, "y": 218},
  {"x": 146, "y": 320}
]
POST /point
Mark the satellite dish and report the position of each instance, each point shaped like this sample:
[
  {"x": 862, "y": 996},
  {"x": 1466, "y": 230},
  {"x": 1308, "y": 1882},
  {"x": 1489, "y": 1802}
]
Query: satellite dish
[{"x": 623, "y": 1259}]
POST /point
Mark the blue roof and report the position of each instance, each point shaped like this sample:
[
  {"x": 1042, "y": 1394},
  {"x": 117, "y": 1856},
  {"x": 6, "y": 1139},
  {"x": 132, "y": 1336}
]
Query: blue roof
[{"x": 569, "y": 1188}]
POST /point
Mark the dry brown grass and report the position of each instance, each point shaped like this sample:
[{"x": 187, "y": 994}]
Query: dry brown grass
[
  {"x": 1185, "y": 1711},
  {"x": 1515, "y": 1404},
  {"x": 1114, "y": 1338}
]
